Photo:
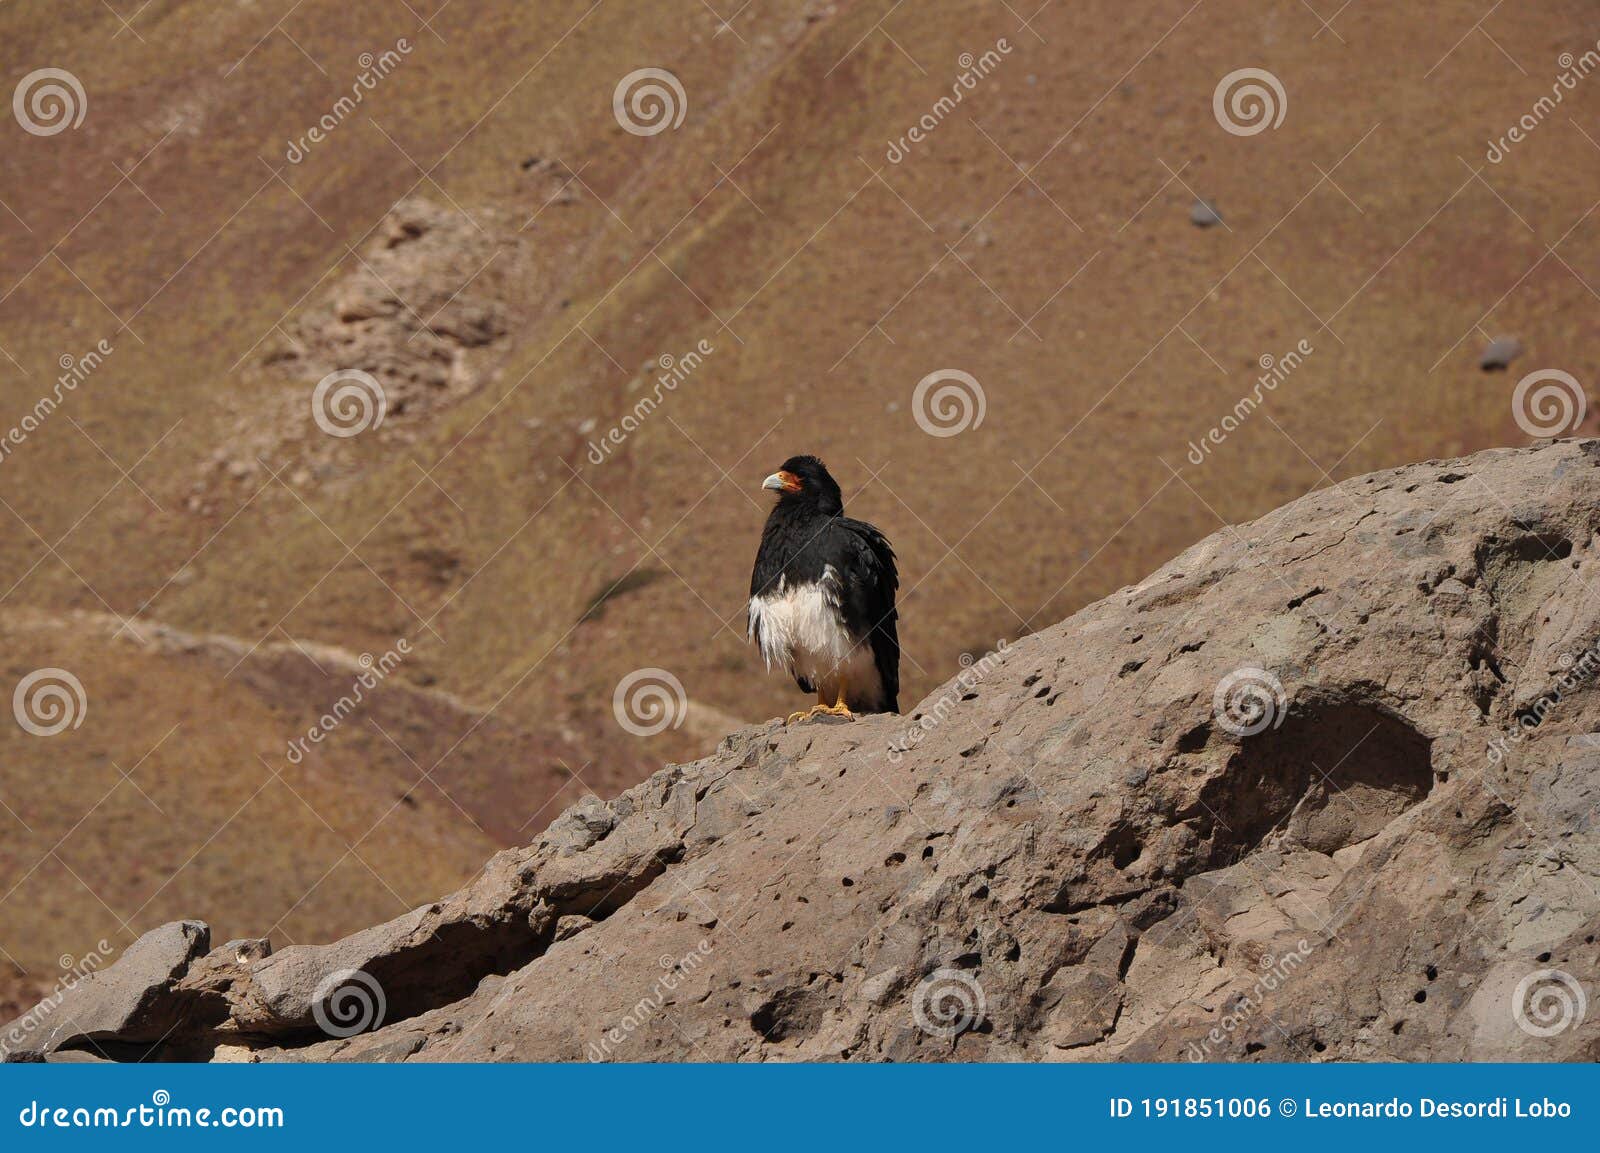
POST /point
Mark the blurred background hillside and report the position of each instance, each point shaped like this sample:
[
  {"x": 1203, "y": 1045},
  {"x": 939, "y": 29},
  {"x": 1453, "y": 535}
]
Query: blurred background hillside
[{"x": 1097, "y": 251}]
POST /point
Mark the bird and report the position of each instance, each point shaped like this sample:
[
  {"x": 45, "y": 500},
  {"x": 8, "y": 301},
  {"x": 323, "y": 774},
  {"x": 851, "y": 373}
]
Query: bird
[{"x": 822, "y": 597}]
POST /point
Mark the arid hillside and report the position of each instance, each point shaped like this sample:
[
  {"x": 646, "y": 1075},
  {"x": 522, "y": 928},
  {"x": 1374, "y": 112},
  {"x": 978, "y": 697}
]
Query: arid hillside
[{"x": 326, "y": 327}]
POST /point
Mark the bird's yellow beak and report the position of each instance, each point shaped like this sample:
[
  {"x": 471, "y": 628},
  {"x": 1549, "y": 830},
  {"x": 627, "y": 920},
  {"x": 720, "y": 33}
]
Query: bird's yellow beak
[{"x": 782, "y": 482}]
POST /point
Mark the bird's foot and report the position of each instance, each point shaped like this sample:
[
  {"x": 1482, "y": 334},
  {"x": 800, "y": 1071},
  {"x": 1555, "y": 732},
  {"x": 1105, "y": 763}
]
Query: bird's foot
[{"x": 838, "y": 710}]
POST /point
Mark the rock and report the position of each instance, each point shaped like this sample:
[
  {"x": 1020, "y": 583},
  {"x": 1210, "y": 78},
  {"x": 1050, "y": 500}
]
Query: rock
[
  {"x": 1277, "y": 801},
  {"x": 581, "y": 826},
  {"x": 421, "y": 315},
  {"x": 129, "y": 1002},
  {"x": 249, "y": 949},
  {"x": 571, "y": 925},
  {"x": 1499, "y": 353},
  {"x": 1085, "y": 1005},
  {"x": 1204, "y": 214}
]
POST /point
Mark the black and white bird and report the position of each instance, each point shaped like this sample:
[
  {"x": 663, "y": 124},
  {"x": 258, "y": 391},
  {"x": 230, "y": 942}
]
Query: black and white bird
[{"x": 822, "y": 596}]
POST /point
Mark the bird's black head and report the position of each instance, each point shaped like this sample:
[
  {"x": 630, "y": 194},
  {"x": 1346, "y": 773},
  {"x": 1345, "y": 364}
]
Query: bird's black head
[{"x": 805, "y": 480}]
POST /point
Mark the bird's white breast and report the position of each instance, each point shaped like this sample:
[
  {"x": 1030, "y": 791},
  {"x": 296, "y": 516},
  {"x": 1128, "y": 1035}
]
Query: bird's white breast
[{"x": 800, "y": 626}]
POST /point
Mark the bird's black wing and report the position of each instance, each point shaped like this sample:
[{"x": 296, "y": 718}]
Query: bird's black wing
[
  {"x": 869, "y": 602},
  {"x": 786, "y": 543},
  {"x": 768, "y": 567}
]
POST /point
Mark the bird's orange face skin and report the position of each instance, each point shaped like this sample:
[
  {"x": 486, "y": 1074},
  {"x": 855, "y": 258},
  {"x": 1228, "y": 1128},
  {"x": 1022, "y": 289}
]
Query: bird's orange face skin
[{"x": 783, "y": 481}]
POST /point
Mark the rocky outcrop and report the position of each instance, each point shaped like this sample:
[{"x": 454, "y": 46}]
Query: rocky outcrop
[
  {"x": 1323, "y": 787},
  {"x": 129, "y": 1003},
  {"x": 416, "y": 323}
]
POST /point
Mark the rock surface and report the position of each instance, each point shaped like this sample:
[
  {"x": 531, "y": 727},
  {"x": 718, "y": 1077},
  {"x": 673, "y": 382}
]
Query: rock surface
[
  {"x": 130, "y": 1002},
  {"x": 1323, "y": 787}
]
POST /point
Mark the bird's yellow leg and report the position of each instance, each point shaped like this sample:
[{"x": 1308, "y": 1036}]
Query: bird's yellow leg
[
  {"x": 823, "y": 708},
  {"x": 838, "y": 708}
]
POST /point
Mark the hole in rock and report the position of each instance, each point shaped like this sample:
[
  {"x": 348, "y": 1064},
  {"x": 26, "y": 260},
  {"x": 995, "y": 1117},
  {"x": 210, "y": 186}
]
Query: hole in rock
[{"x": 1333, "y": 773}]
